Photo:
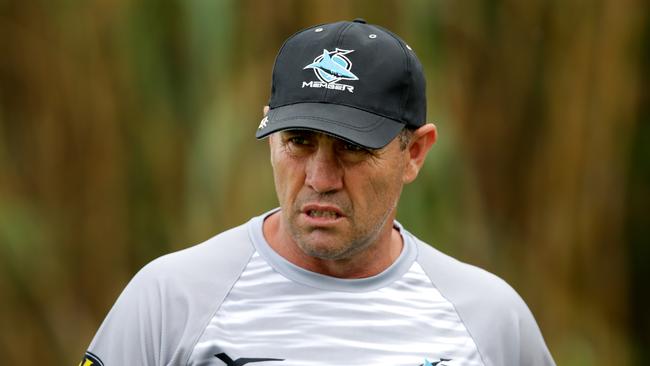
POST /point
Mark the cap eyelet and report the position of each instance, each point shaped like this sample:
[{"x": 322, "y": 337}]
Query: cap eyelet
[
  {"x": 318, "y": 30},
  {"x": 372, "y": 36}
]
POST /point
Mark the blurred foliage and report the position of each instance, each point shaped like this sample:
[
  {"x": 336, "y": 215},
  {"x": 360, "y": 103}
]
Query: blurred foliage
[{"x": 126, "y": 132}]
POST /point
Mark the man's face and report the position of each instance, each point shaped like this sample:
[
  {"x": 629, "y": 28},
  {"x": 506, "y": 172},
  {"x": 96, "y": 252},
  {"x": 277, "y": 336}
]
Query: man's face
[{"x": 336, "y": 197}]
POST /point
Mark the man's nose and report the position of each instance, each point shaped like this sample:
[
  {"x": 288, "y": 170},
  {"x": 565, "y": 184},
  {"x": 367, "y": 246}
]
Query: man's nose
[{"x": 324, "y": 171}]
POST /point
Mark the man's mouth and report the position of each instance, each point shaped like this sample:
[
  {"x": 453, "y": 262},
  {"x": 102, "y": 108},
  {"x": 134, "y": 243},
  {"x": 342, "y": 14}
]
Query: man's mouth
[{"x": 323, "y": 213}]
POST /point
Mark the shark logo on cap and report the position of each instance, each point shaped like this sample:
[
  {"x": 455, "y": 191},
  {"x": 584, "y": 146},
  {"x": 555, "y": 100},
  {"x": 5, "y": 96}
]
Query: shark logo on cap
[{"x": 331, "y": 67}]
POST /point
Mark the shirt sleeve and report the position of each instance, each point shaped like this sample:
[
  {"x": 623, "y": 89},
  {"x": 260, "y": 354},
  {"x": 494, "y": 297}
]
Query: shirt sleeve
[
  {"x": 158, "y": 318},
  {"x": 131, "y": 333},
  {"x": 497, "y": 319}
]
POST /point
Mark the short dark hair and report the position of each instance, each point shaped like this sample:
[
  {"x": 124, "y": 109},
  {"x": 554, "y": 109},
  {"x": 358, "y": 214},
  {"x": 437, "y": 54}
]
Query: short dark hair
[{"x": 405, "y": 136}]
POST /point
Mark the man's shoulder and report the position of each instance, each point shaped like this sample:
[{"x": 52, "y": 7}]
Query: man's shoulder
[
  {"x": 497, "y": 318},
  {"x": 175, "y": 294},
  {"x": 453, "y": 277},
  {"x": 224, "y": 253}
]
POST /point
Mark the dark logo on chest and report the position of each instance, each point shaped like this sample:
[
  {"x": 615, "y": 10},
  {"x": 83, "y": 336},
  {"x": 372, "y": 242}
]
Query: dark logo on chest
[{"x": 242, "y": 361}]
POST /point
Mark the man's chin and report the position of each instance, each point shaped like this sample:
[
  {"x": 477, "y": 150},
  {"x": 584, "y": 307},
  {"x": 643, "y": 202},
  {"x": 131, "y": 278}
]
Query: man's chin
[
  {"x": 325, "y": 254},
  {"x": 323, "y": 248},
  {"x": 328, "y": 247}
]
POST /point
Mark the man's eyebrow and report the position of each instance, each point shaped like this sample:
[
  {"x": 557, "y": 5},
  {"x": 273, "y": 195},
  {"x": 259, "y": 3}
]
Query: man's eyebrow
[
  {"x": 299, "y": 131},
  {"x": 311, "y": 133}
]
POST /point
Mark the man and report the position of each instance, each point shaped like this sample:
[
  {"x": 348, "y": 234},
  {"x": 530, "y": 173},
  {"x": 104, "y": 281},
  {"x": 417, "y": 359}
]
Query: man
[{"x": 329, "y": 278}]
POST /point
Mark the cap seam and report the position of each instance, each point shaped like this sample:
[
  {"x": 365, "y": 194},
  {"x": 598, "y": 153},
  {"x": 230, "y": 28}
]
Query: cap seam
[
  {"x": 333, "y": 121},
  {"x": 273, "y": 73},
  {"x": 336, "y": 45},
  {"x": 402, "y": 121},
  {"x": 407, "y": 69}
]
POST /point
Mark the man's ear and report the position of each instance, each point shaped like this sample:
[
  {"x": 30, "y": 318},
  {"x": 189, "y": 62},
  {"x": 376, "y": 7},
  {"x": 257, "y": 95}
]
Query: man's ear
[{"x": 421, "y": 141}]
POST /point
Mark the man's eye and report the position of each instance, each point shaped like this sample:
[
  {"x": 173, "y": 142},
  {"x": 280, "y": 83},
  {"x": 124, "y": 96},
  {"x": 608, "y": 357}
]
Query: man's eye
[
  {"x": 298, "y": 140},
  {"x": 353, "y": 147}
]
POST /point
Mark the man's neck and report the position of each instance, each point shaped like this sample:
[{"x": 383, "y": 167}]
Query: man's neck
[{"x": 370, "y": 261}]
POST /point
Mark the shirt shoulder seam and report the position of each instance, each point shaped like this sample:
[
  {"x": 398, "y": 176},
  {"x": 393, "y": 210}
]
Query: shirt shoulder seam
[{"x": 217, "y": 307}]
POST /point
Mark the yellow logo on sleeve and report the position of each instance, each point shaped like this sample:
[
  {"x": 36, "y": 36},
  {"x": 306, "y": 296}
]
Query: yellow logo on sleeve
[{"x": 91, "y": 360}]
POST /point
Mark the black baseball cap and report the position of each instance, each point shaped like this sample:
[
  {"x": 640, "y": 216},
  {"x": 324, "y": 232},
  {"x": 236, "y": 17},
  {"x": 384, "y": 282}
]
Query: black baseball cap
[{"x": 355, "y": 81}]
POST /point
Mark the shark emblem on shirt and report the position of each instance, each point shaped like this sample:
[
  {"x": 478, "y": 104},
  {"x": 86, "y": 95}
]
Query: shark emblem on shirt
[{"x": 439, "y": 363}]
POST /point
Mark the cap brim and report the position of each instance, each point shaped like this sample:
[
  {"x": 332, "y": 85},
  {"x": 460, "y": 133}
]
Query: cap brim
[{"x": 360, "y": 127}]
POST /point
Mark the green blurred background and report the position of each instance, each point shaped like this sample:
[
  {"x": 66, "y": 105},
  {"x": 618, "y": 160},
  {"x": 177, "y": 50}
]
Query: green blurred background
[{"x": 126, "y": 132}]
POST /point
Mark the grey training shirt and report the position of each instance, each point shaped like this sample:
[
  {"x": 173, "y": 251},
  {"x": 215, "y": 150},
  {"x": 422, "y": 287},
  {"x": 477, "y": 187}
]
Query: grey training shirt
[{"x": 234, "y": 301}]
